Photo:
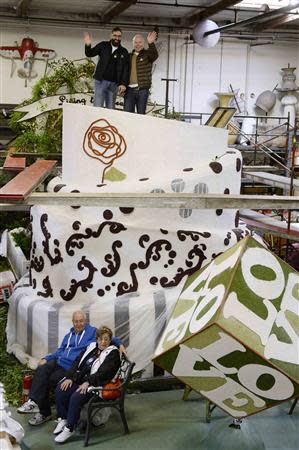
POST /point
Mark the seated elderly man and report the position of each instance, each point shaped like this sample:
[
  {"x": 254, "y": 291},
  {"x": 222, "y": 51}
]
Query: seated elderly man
[{"x": 52, "y": 368}]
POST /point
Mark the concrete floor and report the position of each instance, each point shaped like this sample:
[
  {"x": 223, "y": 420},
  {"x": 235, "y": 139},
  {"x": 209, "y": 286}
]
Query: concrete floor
[{"x": 161, "y": 420}]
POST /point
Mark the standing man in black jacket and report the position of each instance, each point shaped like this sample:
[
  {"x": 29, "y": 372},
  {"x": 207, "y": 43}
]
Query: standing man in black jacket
[
  {"x": 141, "y": 62},
  {"x": 112, "y": 72}
]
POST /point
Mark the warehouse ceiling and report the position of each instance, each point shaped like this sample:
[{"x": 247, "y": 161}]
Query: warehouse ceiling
[{"x": 276, "y": 19}]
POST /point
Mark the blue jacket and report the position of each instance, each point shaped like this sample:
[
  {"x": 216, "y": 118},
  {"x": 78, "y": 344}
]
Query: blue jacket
[{"x": 73, "y": 344}]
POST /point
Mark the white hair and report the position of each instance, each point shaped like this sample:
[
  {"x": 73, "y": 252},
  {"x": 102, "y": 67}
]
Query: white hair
[
  {"x": 79, "y": 312},
  {"x": 139, "y": 36}
]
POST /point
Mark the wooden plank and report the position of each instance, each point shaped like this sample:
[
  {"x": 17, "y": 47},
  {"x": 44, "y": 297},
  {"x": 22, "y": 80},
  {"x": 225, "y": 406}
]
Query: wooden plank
[
  {"x": 271, "y": 179},
  {"x": 14, "y": 164},
  {"x": 169, "y": 200},
  {"x": 211, "y": 10},
  {"x": 25, "y": 182},
  {"x": 277, "y": 22},
  {"x": 270, "y": 225},
  {"x": 22, "y": 8},
  {"x": 117, "y": 9}
]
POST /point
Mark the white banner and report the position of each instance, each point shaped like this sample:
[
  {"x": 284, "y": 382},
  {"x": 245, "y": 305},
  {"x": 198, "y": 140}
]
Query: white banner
[
  {"x": 57, "y": 101},
  {"x": 54, "y": 102}
]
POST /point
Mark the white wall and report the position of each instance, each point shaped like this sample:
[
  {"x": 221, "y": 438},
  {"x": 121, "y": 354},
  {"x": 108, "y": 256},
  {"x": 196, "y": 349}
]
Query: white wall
[{"x": 200, "y": 71}]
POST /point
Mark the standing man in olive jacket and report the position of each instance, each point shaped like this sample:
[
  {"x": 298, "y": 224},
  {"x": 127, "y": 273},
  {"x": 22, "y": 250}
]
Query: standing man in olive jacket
[
  {"x": 141, "y": 62},
  {"x": 112, "y": 71}
]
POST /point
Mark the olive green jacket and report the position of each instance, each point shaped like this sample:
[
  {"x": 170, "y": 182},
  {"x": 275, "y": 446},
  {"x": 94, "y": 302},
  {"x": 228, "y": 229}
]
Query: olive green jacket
[{"x": 144, "y": 63}]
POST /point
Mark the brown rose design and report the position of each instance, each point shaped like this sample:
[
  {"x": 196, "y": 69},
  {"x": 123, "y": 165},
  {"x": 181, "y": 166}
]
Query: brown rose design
[{"x": 102, "y": 141}]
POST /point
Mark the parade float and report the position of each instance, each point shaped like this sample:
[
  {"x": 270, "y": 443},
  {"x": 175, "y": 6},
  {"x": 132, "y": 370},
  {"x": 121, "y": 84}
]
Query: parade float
[{"x": 125, "y": 267}]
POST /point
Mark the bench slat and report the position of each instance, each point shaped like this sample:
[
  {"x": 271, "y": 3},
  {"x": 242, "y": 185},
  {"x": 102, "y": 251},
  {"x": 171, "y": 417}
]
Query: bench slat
[
  {"x": 15, "y": 164},
  {"x": 26, "y": 181}
]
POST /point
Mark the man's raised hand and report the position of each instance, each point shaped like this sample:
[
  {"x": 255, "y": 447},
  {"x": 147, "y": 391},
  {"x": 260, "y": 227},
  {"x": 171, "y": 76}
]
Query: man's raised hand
[
  {"x": 87, "y": 38},
  {"x": 151, "y": 37}
]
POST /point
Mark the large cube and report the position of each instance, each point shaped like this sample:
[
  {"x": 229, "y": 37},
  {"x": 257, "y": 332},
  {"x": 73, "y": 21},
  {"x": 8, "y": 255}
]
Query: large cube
[{"x": 234, "y": 333}]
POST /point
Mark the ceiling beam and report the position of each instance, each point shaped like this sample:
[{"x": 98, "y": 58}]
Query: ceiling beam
[
  {"x": 211, "y": 10},
  {"x": 252, "y": 20},
  {"x": 22, "y": 8},
  {"x": 116, "y": 10},
  {"x": 277, "y": 22}
]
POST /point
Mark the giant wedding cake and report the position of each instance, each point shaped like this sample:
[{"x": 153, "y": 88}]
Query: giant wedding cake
[{"x": 124, "y": 266}]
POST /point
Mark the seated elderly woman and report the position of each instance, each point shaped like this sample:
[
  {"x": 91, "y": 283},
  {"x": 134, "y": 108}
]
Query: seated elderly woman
[{"x": 96, "y": 366}]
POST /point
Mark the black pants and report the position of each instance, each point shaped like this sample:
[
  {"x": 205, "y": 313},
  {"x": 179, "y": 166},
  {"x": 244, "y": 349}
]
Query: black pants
[{"x": 46, "y": 376}]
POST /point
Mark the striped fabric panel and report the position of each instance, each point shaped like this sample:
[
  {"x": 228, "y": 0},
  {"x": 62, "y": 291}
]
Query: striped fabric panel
[
  {"x": 14, "y": 305},
  {"x": 30, "y": 324},
  {"x": 53, "y": 327},
  {"x": 160, "y": 310},
  {"x": 122, "y": 317}
]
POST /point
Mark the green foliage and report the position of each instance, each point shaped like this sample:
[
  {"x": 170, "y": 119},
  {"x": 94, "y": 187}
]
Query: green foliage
[
  {"x": 10, "y": 368},
  {"x": 174, "y": 115},
  {"x": 12, "y": 219},
  {"x": 65, "y": 77},
  {"x": 4, "y": 178},
  {"x": 23, "y": 241},
  {"x": 4, "y": 264}
]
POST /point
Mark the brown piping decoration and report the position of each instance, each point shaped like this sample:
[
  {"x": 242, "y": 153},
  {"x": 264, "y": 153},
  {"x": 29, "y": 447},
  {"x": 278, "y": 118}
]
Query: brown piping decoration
[{"x": 103, "y": 142}]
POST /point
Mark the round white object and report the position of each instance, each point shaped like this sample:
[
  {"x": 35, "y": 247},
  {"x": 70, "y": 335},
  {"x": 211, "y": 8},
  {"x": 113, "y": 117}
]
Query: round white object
[
  {"x": 266, "y": 101},
  {"x": 200, "y": 29}
]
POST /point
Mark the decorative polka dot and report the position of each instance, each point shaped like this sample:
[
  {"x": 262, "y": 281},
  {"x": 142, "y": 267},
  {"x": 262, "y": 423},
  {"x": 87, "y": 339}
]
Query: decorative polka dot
[
  {"x": 107, "y": 288},
  {"x": 163, "y": 231},
  {"x": 126, "y": 210},
  {"x": 219, "y": 212},
  {"x": 226, "y": 191},
  {"x": 172, "y": 254},
  {"x": 100, "y": 292},
  {"x": 238, "y": 164},
  {"x": 216, "y": 166},
  {"x": 107, "y": 214},
  {"x": 157, "y": 191},
  {"x": 201, "y": 188},
  {"x": 185, "y": 213},
  {"x": 237, "y": 218},
  {"x": 58, "y": 187},
  {"x": 75, "y": 207},
  {"x": 178, "y": 185},
  {"x": 165, "y": 266}
]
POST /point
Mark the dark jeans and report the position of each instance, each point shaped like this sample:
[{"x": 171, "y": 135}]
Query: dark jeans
[
  {"x": 45, "y": 377},
  {"x": 136, "y": 97},
  {"x": 69, "y": 404}
]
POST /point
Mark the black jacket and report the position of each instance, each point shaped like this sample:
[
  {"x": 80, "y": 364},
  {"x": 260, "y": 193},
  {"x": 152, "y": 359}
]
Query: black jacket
[
  {"x": 103, "y": 50},
  {"x": 80, "y": 371}
]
